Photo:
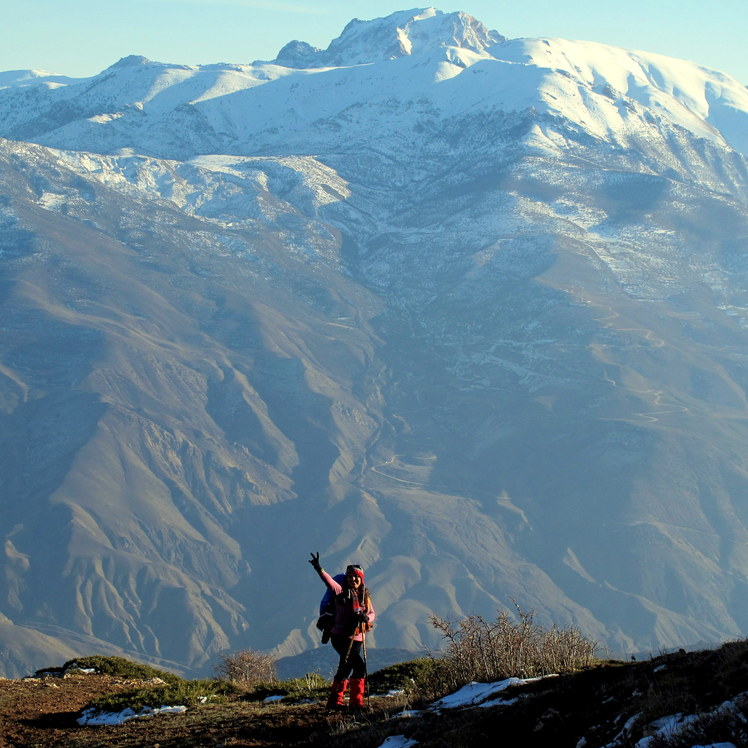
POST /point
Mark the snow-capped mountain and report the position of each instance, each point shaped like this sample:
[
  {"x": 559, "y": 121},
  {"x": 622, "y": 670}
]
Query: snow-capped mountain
[
  {"x": 405, "y": 33},
  {"x": 470, "y": 311},
  {"x": 424, "y": 66}
]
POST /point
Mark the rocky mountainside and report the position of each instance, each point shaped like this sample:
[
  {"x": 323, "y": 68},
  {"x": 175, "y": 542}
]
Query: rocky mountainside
[{"x": 469, "y": 311}]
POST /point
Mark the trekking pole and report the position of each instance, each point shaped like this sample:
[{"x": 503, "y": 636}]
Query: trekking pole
[
  {"x": 348, "y": 652},
  {"x": 366, "y": 669}
]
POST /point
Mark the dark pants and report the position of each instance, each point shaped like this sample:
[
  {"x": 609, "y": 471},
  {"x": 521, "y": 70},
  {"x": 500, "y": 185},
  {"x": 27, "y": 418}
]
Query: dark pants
[{"x": 351, "y": 663}]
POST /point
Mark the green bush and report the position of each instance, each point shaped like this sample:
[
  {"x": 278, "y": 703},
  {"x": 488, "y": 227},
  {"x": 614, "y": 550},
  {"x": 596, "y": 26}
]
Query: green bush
[
  {"x": 181, "y": 693},
  {"x": 118, "y": 667},
  {"x": 310, "y": 686},
  {"x": 422, "y": 676},
  {"x": 174, "y": 691}
]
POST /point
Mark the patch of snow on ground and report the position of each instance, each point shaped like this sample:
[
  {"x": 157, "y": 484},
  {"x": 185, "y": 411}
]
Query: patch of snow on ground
[
  {"x": 474, "y": 693},
  {"x": 51, "y": 201},
  {"x": 398, "y": 741},
  {"x": 91, "y": 717},
  {"x": 666, "y": 726}
]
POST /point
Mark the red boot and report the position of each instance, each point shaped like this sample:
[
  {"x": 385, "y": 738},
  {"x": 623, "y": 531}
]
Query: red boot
[
  {"x": 337, "y": 694},
  {"x": 357, "y": 694}
]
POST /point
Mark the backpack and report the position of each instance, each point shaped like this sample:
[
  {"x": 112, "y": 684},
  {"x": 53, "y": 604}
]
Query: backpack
[{"x": 327, "y": 610}]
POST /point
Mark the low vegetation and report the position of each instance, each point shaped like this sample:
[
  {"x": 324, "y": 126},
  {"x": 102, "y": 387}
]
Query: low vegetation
[
  {"x": 420, "y": 680},
  {"x": 485, "y": 651},
  {"x": 477, "y": 650},
  {"x": 181, "y": 693},
  {"x": 702, "y": 696},
  {"x": 310, "y": 687},
  {"x": 156, "y": 687},
  {"x": 115, "y": 666}
]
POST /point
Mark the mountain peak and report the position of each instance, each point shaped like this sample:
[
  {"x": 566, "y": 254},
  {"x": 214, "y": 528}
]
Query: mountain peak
[
  {"x": 130, "y": 61},
  {"x": 296, "y": 54},
  {"x": 402, "y": 33}
]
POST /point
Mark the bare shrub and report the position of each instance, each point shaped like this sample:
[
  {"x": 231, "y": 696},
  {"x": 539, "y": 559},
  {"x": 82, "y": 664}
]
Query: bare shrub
[
  {"x": 247, "y": 668},
  {"x": 480, "y": 650}
]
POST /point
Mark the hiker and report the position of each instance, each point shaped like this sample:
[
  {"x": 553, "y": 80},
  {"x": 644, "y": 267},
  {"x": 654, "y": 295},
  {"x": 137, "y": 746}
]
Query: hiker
[{"x": 354, "y": 615}]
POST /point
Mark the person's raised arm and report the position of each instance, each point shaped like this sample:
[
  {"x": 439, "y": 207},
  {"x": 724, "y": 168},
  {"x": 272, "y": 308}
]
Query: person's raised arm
[
  {"x": 314, "y": 561},
  {"x": 326, "y": 578}
]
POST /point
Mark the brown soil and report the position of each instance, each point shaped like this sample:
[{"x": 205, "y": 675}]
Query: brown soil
[{"x": 43, "y": 712}]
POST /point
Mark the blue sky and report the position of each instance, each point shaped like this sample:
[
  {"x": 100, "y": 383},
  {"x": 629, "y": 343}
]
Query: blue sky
[{"x": 82, "y": 37}]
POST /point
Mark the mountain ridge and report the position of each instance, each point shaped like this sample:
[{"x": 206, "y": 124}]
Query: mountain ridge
[
  {"x": 685, "y": 94},
  {"x": 476, "y": 323}
]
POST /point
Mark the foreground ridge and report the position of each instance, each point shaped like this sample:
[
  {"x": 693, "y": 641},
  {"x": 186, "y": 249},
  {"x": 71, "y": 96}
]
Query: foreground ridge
[{"x": 672, "y": 700}]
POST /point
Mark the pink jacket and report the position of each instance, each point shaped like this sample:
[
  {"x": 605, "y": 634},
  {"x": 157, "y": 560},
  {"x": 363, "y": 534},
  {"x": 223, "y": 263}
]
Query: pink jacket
[{"x": 346, "y": 609}]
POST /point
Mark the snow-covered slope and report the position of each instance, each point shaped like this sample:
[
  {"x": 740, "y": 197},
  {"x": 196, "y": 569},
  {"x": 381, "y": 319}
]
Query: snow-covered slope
[
  {"x": 404, "y": 66},
  {"x": 606, "y": 89},
  {"x": 470, "y": 311}
]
